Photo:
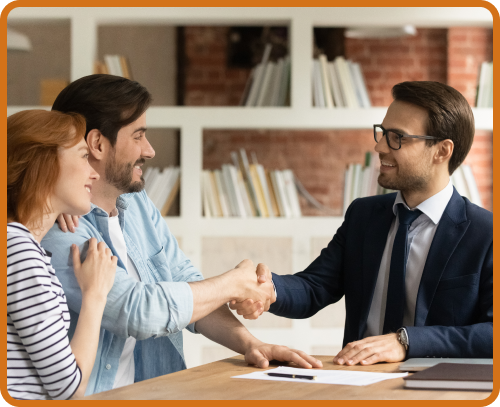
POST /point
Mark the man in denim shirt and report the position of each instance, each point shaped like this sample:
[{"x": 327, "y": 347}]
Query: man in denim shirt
[{"x": 157, "y": 291}]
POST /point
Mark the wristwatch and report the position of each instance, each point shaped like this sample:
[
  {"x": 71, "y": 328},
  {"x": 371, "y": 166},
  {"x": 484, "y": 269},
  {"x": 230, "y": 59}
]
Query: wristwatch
[{"x": 403, "y": 338}]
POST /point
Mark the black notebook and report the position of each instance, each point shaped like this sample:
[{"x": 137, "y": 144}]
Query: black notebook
[{"x": 456, "y": 376}]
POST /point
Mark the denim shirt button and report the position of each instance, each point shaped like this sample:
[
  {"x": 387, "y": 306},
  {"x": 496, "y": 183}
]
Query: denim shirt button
[{"x": 108, "y": 366}]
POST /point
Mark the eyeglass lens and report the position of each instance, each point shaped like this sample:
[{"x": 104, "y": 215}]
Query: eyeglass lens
[{"x": 392, "y": 138}]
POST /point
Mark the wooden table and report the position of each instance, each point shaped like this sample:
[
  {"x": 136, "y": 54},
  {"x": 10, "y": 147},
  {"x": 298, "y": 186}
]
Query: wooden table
[{"x": 213, "y": 382}]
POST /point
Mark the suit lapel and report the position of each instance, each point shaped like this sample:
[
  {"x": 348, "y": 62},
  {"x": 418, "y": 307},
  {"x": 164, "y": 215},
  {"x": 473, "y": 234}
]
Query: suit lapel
[
  {"x": 451, "y": 229},
  {"x": 373, "y": 249}
]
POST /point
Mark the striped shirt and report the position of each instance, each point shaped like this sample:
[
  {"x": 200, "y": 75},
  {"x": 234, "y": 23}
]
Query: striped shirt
[{"x": 40, "y": 364}]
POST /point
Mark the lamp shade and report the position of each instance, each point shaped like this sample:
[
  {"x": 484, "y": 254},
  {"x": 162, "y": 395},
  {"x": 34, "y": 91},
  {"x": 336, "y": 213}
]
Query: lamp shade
[{"x": 17, "y": 41}]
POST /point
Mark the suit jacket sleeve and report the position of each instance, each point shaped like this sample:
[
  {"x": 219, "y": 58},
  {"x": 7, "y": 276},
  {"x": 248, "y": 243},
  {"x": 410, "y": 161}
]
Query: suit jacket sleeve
[
  {"x": 472, "y": 341},
  {"x": 322, "y": 283}
]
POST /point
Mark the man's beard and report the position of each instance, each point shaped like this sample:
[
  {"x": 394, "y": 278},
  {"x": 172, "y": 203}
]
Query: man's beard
[
  {"x": 120, "y": 175},
  {"x": 408, "y": 183}
]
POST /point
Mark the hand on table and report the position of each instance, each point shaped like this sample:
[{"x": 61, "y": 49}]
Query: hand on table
[
  {"x": 68, "y": 222},
  {"x": 374, "y": 349},
  {"x": 249, "y": 308},
  {"x": 260, "y": 356}
]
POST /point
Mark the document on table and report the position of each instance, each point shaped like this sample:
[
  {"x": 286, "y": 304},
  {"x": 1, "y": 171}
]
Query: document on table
[{"x": 346, "y": 377}]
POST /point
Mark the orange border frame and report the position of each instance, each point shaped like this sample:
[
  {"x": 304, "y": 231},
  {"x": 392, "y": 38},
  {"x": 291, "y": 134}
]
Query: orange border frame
[{"x": 261, "y": 3}]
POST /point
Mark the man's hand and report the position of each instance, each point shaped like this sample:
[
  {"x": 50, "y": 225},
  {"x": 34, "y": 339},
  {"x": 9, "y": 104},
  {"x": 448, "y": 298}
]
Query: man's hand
[
  {"x": 67, "y": 222},
  {"x": 261, "y": 294},
  {"x": 260, "y": 356},
  {"x": 249, "y": 308},
  {"x": 374, "y": 349}
]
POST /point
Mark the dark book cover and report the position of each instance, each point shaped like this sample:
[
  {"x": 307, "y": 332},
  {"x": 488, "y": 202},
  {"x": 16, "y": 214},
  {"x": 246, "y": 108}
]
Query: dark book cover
[{"x": 459, "y": 372}]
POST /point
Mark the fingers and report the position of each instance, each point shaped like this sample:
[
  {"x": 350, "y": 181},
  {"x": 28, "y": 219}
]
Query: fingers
[
  {"x": 69, "y": 222},
  {"x": 257, "y": 358},
  {"x": 382, "y": 348},
  {"x": 248, "y": 308},
  {"x": 62, "y": 223},
  {"x": 76, "y": 220},
  {"x": 75, "y": 251},
  {"x": 92, "y": 245},
  {"x": 292, "y": 356},
  {"x": 263, "y": 273}
]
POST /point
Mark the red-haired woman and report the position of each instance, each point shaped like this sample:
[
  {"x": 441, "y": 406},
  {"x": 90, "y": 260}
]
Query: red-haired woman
[{"x": 48, "y": 174}]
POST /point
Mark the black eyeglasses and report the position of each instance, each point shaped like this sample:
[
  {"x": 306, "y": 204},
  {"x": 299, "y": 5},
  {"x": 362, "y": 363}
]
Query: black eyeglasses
[{"x": 394, "y": 138}]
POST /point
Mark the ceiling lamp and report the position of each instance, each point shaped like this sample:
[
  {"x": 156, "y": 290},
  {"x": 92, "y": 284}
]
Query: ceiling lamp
[
  {"x": 380, "y": 32},
  {"x": 17, "y": 41}
]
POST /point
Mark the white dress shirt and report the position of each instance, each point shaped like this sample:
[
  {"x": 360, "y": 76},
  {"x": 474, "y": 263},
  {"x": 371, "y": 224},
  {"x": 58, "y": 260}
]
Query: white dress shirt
[{"x": 420, "y": 238}]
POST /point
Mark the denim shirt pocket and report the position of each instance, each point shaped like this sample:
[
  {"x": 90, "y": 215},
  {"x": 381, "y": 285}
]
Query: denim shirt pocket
[{"x": 158, "y": 266}]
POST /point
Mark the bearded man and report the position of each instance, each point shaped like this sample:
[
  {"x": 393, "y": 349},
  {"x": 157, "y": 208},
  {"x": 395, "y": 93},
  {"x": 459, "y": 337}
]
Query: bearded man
[{"x": 157, "y": 291}]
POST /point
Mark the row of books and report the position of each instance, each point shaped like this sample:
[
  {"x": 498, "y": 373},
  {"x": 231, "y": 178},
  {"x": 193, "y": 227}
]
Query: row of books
[
  {"x": 162, "y": 186},
  {"x": 269, "y": 82},
  {"x": 248, "y": 190},
  {"x": 114, "y": 65},
  {"x": 485, "y": 85},
  {"x": 362, "y": 181},
  {"x": 338, "y": 83}
]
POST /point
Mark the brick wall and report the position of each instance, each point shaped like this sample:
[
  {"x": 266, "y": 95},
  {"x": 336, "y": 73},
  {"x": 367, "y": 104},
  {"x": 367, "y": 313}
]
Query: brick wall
[
  {"x": 208, "y": 81},
  {"x": 320, "y": 157},
  {"x": 386, "y": 62}
]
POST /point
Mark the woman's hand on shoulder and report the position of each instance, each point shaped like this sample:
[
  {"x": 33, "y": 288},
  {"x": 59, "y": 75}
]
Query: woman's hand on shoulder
[
  {"x": 96, "y": 274},
  {"x": 68, "y": 222}
]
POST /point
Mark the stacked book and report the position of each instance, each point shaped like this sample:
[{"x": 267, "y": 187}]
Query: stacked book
[
  {"x": 338, "y": 84},
  {"x": 248, "y": 190},
  {"x": 362, "y": 181},
  {"x": 162, "y": 186},
  {"x": 485, "y": 86},
  {"x": 114, "y": 65},
  {"x": 269, "y": 82}
]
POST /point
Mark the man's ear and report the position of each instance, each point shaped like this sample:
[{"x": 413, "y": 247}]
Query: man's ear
[
  {"x": 97, "y": 143},
  {"x": 444, "y": 151}
]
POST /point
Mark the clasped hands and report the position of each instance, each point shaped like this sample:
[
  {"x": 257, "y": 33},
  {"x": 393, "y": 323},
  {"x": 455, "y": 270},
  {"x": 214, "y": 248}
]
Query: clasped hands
[
  {"x": 259, "y": 290},
  {"x": 367, "y": 351}
]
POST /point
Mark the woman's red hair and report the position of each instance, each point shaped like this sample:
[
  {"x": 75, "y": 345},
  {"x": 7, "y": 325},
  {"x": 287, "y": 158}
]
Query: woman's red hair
[{"x": 34, "y": 138}]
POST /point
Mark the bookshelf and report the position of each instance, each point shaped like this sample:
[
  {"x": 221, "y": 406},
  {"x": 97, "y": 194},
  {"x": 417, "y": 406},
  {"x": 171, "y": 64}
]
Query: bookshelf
[{"x": 304, "y": 236}]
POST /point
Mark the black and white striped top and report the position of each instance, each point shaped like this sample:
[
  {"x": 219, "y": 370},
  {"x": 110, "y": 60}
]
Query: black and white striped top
[{"x": 40, "y": 364}]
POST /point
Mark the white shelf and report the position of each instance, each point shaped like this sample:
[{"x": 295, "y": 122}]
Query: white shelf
[
  {"x": 269, "y": 227},
  {"x": 272, "y": 117},
  {"x": 317, "y": 16}
]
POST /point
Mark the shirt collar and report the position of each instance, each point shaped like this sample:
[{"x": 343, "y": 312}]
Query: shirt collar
[
  {"x": 433, "y": 207},
  {"x": 121, "y": 203}
]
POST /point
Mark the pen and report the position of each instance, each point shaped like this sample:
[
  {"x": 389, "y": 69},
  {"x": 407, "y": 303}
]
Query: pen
[{"x": 292, "y": 376}]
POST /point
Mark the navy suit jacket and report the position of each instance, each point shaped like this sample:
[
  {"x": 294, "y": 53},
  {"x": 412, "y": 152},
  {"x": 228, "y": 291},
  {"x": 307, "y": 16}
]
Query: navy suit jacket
[{"x": 454, "y": 310}]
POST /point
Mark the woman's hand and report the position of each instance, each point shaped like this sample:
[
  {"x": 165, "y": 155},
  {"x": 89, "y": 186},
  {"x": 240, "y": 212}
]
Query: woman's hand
[{"x": 96, "y": 274}]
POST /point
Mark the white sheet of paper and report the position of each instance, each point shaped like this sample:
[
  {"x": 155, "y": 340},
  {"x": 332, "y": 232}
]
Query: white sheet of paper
[{"x": 346, "y": 377}]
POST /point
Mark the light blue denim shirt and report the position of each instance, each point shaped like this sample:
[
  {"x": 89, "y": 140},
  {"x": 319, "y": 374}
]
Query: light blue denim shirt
[{"x": 154, "y": 310}]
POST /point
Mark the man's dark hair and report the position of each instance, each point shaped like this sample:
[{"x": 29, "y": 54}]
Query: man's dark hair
[
  {"x": 450, "y": 116},
  {"x": 107, "y": 102}
]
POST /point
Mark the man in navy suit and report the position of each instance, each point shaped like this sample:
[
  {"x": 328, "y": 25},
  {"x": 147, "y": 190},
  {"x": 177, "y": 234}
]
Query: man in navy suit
[{"x": 416, "y": 266}]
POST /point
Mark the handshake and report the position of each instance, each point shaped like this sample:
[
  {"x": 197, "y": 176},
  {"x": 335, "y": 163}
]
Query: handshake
[{"x": 254, "y": 289}]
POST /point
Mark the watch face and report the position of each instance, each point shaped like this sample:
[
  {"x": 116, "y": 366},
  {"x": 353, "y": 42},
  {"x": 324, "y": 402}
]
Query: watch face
[{"x": 404, "y": 338}]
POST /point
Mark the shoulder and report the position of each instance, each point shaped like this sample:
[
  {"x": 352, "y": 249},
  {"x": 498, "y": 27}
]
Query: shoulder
[
  {"x": 19, "y": 240},
  {"x": 55, "y": 239},
  {"x": 366, "y": 204},
  {"x": 480, "y": 218},
  {"x": 477, "y": 213}
]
